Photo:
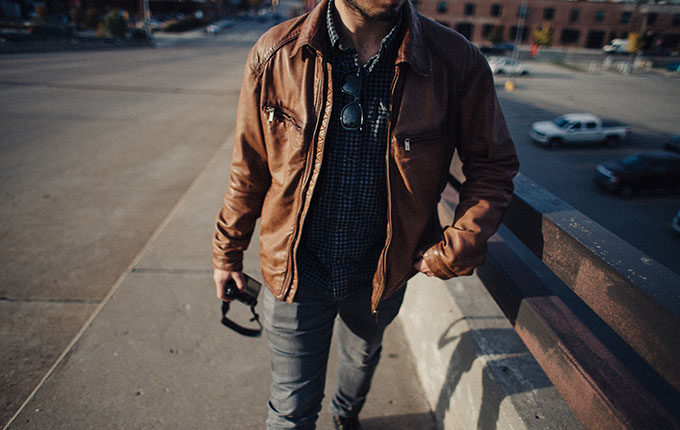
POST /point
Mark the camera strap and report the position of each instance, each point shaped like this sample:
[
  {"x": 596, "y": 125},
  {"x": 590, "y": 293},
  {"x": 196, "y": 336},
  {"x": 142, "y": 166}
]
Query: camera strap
[{"x": 250, "y": 332}]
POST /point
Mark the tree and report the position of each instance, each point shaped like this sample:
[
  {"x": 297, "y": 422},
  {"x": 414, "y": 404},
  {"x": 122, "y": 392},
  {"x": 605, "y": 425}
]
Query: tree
[
  {"x": 544, "y": 35},
  {"x": 116, "y": 24},
  {"x": 637, "y": 43}
]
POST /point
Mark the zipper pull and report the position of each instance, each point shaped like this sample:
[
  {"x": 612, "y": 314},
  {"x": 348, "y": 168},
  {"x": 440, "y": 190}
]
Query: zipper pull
[
  {"x": 407, "y": 144},
  {"x": 271, "y": 114},
  {"x": 375, "y": 315}
]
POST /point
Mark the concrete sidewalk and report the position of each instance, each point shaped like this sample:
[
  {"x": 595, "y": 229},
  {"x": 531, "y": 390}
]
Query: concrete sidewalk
[{"x": 155, "y": 356}]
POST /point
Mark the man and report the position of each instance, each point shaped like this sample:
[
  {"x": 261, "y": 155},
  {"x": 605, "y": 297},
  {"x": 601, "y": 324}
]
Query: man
[{"x": 347, "y": 123}]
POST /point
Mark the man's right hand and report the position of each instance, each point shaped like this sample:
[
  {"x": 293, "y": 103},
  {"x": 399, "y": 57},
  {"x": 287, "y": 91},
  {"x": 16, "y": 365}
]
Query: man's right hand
[{"x": 222, "y": 276}]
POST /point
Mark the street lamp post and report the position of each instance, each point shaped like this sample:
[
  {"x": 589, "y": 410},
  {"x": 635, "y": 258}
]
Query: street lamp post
[
  {"x": 523, "y": 9},
  {"x": 146, "y": 12}
]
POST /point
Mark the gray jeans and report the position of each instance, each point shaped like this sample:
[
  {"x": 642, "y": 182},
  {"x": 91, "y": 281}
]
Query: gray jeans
[{"x": 299, "y": 336}]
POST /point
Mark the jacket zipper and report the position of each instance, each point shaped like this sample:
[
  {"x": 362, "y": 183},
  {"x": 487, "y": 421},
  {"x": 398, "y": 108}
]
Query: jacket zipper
[
  {"x": 285, "y": 116},
  {"x": 381, "y": 287},
  {"x": 409, "y": 140},
  {"x": 287, "y": 282}
]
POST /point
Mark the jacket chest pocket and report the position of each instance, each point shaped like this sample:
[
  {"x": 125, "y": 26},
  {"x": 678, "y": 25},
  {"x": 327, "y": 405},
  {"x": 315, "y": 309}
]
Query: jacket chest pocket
[
  {"x": 422, "y": 161},
  {"x": 415, "y": 145},
  {"x": 279, "y": 116},
  {"x": 285, "y": 143},
  {"x": 283, "y": 130}
]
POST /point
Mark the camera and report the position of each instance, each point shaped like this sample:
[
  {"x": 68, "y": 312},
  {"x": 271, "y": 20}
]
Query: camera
[{"x": 248, "y": 295}]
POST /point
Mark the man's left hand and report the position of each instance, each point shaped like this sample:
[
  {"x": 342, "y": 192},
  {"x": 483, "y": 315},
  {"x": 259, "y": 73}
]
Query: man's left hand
[{"x": 421, "y": 265}]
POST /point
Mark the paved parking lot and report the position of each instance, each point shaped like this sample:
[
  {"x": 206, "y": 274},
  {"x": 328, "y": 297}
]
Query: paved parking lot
[{"x": 648, "y": 102}]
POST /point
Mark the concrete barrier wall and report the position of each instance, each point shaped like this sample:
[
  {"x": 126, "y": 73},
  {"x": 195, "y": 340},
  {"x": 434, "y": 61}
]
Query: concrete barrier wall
[{"x": 475, "y": 371}]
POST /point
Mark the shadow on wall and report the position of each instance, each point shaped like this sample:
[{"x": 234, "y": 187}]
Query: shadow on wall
[{"x": 505, "y": 372}]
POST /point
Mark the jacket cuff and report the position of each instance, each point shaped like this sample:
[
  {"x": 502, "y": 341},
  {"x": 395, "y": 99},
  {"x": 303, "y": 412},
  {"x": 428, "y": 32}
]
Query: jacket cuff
[
  {"x": 229, "y": 264},
  {"x": 434, "y": 260}
]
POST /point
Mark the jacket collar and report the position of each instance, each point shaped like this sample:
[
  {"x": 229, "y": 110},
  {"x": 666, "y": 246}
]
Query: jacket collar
[{"x": 413, "y": 51}]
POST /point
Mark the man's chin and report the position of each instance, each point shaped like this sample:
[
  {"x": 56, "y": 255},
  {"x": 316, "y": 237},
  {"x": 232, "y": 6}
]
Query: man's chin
[{"x": 388, "y": 14}]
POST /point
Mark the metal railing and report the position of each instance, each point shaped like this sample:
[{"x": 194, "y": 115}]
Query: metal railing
[{"x": 601, "y": 318}]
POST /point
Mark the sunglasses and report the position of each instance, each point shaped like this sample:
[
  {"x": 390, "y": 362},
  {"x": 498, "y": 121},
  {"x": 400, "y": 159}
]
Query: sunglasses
[{"x": 352, "y": 115}]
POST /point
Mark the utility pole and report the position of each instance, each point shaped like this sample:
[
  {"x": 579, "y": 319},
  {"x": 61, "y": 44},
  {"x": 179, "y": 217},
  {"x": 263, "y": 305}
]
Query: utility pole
[
  {"x": 523, "y": 10},
  {"x": 146, "y": 12}
]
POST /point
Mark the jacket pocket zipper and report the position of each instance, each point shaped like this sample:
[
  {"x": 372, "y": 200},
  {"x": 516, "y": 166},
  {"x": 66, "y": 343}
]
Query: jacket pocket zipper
[
  {"x": 410, "y": 140},
  {"x": 284, "y": 115}
]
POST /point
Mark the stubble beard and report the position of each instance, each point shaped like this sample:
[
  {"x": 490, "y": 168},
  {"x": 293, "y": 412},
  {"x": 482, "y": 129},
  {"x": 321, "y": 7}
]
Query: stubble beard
[{"x": 381, "y": 16}]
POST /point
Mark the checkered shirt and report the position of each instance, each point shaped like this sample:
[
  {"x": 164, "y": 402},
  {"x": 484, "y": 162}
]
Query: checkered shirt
[{"x": 345, "y": 229}]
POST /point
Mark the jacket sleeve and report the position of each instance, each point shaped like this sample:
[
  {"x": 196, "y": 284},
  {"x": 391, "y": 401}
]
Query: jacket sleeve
[
  {"x": 489, "y": 163},
  {"x": 249, "y": 179}
]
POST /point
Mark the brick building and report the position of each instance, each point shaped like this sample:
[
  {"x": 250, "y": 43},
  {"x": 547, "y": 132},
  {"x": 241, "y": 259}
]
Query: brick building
[{"x": 584, "y": 24}]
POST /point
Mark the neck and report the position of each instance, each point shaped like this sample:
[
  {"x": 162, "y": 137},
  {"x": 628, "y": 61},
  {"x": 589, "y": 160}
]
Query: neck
[{"x": 360, "y": 31}]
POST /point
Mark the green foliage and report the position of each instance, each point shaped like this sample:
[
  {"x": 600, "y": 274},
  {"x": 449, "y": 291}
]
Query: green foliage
[
  {"x": 116, "y": 24},
  {"x": 544, "y": 35},
  {"x": 496, "y": 35}
]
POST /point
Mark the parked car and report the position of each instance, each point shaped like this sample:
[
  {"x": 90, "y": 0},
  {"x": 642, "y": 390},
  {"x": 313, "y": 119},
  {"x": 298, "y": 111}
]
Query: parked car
[
  {"x": 676, "y": 222},
  {"x": 502, "y": 65},
  {"x": 617, "y": 46},
  {"x": 217, "y": 27},
  {"x": 673, "y": 67},
  {"x": 497, "y": 49},
  {"x": 578, "y": 128},
  {"x": 672, "y": 143},
  {"x": 655, "y": 171}
]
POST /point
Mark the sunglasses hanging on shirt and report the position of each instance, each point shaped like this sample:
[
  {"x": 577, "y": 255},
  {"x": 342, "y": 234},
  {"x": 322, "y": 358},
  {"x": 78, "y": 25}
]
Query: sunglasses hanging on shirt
[{"x": 352, "y": 115}]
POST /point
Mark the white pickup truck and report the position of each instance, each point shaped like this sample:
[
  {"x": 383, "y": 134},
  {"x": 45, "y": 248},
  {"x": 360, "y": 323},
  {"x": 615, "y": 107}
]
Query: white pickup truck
[{"x": 578, "y": 128}]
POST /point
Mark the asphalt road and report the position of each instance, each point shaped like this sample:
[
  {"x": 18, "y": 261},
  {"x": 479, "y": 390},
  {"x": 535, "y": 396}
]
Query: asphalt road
[
  {"x": 97, "y": 147},
  {"x": 647, "y": 101}
]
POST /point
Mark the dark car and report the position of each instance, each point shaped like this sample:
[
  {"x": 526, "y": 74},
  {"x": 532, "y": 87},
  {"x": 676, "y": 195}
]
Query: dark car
[
  {"x": 497, "y": 49},
  {"x": 673, "y": 67},
  {"x": 672, "y": 143},
  {"x": 657, "y": 171}
]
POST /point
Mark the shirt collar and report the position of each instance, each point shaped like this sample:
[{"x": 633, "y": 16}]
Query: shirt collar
[
  {"x": 313, "y": 33},
  {"x": 388, "y": 41}
]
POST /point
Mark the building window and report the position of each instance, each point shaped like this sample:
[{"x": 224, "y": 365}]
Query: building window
[
  {"x": 676, "y": 20},
  {"x": 549, "y": 13},
  {"x": 651, "y": 18},
  {"x": 465, "y": 28},
  {"x": 570, "y": 36},
  {"x": 514, "y": 31},
  {"x": 442, "y": 6},
  {"x": 469, "y": 9},
  {"x": 486, "y": 30},
  {"x": 574, "y": 15},
  {"x": 496, "y": 9},
  {"x": 599, "y": 16},
  {"x": 493, "y": 33},
  {"x": 625, "y": 17},
  {"x": 522, "y": 11},
  {"x": 416, "y": 3}
]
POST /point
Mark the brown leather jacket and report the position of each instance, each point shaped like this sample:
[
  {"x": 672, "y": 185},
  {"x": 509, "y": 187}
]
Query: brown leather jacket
[{"x": 443, "y": 99}]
